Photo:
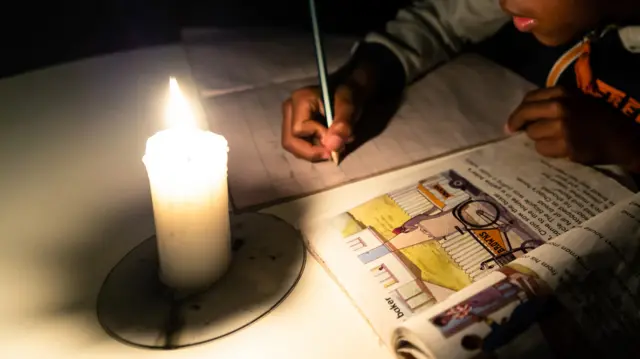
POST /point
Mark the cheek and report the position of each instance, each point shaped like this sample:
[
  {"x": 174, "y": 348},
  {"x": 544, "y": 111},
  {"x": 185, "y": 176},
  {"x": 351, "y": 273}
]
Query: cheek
[
  {"x": 558, "y": 31},
  {"x": 563, "y": 21}
]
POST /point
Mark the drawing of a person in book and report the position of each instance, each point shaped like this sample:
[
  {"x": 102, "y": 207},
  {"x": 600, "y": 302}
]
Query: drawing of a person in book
[
  {"x": 476, "y": 308},
  {"x": 472, "y": 213},
  {"x": 536, "y": 328},
  {"x": 534, "y": 322},
  {"x": 505, "y": 332},
  {"x": 426, "y": 227},
  {"x": 434, "y": 238}
]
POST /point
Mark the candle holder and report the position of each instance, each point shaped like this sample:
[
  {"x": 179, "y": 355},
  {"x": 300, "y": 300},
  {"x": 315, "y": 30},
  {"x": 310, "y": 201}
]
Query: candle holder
[{"x": 134, "y": 306}]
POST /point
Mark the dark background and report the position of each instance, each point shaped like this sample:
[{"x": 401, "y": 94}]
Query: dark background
[{"x": 40, "y": 34}]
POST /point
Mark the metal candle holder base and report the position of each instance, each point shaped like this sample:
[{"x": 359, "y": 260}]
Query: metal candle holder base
[{"x": 134, "y": 307}]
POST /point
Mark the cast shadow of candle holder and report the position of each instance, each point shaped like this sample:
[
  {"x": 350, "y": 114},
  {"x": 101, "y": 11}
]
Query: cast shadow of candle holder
[{"x": 134, "y": 307}]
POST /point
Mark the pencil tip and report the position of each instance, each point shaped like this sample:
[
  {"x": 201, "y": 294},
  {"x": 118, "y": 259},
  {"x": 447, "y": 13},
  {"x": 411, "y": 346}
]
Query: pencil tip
[{"x": 334, "y": 157}]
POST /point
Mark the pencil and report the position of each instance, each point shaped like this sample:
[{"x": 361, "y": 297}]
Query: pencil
[{"x": 322, "y": 72}]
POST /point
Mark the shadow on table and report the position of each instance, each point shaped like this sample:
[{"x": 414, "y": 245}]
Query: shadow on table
[
  {"x": 373, "y": 121},
  {"x": 113, "y": 247}
]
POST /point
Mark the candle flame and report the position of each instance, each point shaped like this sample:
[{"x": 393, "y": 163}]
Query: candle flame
[{"x": 179, "y": 114}]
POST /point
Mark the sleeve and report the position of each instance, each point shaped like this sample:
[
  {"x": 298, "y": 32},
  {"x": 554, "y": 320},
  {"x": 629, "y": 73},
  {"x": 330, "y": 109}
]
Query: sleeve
[{"x": 427, "y": 33}]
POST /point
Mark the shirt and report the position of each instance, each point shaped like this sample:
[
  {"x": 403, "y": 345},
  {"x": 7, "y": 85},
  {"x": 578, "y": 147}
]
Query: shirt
[{"x": 430, "y": 32}]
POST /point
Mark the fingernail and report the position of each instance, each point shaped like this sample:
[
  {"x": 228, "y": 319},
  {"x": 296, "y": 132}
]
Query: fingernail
[
  {"x": 326, "y": 155},
  {"x": 507, "y": 130},
  {"x": 332, "y": 142}
]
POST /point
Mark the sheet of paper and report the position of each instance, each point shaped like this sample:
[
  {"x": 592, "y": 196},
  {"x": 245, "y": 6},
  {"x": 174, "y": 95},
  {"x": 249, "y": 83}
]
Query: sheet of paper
[
  {"x": 461, "y": 104},
  {"x": 226, "y": 61}
]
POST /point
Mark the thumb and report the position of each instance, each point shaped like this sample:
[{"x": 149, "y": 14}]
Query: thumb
[{"x": 341, "y": 130}]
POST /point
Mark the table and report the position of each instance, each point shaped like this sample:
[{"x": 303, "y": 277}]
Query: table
[{"x": 74, "y": 199}]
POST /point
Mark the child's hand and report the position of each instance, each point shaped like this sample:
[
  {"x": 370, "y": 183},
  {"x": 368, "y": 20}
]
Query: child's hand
[
  {"x": 298, "y": 125},
  {"x": 581, "y": 128}
]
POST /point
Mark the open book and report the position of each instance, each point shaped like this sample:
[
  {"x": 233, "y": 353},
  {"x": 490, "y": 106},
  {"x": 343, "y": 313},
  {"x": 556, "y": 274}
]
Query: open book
[{"x": 497, "y": 252}]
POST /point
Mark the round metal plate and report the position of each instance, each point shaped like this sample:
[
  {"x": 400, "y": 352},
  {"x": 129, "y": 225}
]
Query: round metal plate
[{"x": 135, "y": 308}]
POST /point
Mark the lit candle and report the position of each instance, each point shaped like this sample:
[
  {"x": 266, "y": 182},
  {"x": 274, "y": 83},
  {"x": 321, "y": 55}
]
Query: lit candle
[{"x": 187, "y": 169}]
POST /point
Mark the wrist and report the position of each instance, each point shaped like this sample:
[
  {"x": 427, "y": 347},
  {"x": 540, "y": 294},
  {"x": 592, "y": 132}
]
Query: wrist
[
  {"x": 624, "y": 143},
  {"x": 363, "y": 81},
  {"x": 375, "y": 72}
]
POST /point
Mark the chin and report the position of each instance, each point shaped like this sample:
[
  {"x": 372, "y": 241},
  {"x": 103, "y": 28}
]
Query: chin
[{"x": 551, "y": 41}]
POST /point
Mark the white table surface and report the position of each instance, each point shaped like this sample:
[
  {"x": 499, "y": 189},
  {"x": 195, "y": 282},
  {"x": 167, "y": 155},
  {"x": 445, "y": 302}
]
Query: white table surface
[{"x": 74, "y": 199}]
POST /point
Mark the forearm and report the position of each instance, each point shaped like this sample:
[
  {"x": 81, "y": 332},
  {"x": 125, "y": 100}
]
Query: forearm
[
  {"x": 420, "y": 37},
  {"x": 376, "y": 72},
  {"x": 627, "y": 154},
  {"x": 617, "y": 137}
]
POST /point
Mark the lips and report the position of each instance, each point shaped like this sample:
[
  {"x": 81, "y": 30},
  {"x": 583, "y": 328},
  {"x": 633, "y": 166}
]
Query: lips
[
  {"x": 520, "y": 20},
  {"x": 524, "y": 24}
]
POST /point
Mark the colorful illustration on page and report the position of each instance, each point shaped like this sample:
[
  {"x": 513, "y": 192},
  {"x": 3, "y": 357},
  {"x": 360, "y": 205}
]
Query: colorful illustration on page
[
  {"x": 516, "y": 317},
  {"x": 516, "y": 287},
  {"x": 429, "y": 240}
]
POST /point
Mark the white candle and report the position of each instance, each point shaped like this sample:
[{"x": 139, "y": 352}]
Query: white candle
[{"x": 187, "y": 169}]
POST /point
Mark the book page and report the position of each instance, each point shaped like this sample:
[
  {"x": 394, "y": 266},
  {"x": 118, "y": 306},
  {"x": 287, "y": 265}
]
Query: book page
[
  {"x": 399, "y": 254},
  {"x": 440, "y": 114},
  {"x": 575, "y": 296}
]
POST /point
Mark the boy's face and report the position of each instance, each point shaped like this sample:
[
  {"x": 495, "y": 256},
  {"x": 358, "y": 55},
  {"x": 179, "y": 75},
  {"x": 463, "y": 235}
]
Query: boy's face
[{"x": 554, "y": 22}]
